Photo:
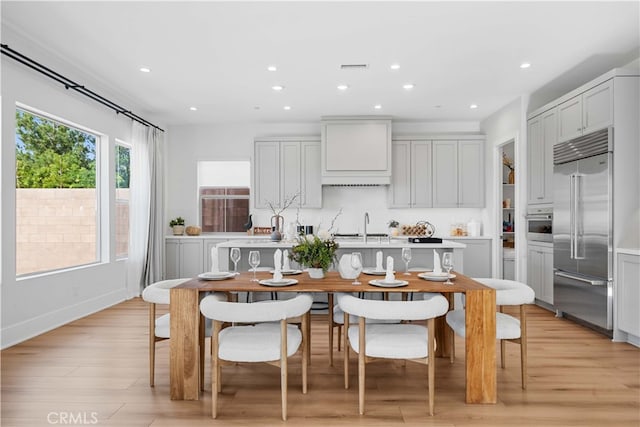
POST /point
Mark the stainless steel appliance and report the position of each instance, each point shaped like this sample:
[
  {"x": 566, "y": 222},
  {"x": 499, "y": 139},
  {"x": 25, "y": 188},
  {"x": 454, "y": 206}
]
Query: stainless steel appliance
[
  {"x": 540, "y": 225},
  {"x": 582, "y": 229}
]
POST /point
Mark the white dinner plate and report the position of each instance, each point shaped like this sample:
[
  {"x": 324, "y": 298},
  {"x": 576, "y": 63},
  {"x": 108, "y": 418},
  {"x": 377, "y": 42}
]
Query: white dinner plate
[
  {"x": 287, "y": 272},
  {"x": 374, "y": 272},
  {"x": 278, "y": 283},
  {"x": 436, "y": 277},
  {"x": 216, "y": 275},
  {"x": 390, "y": 284}
]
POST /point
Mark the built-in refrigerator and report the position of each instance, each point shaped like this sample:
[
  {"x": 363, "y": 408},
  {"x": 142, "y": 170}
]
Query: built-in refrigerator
[{"x": 582, "y": 229}]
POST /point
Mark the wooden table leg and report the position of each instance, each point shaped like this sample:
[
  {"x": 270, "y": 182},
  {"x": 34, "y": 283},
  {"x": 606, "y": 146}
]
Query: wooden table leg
[
  {"x": 442, "y": 331},
  {"x": 330, "y": 316},
  {"x": 480, "y": 346},
  {"x": 184, "y": 362}
]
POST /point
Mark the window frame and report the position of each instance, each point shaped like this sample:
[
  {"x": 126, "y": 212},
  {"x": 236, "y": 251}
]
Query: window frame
[{"x": 101, "y": 140}]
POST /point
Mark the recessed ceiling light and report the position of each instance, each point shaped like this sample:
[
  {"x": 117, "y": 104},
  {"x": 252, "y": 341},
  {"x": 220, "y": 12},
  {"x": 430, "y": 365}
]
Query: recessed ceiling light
[
  {"x": 525, "y": 65},
  {"x": 145, "y": 69},
  {"x": 437, "y": 106},
  {"x": 272, "y": 68},
  {"x": 408, "y": 86},
  {"x": 395, "y": 66},
  {"x": 473, "y": 106},
  {"x": 257, "y": 107},
  {"x": 193, "y": 108},
  {"x": 343, "y": 87},
  {"x": 377, "y": 106},
  {"x": 287, "y": 107},
  {"x": 277, "y": 88}
]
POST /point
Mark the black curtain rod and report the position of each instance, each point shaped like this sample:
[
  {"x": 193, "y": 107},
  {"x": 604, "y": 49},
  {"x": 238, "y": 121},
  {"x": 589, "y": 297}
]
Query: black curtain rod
[{"x": 70, "y": 84}]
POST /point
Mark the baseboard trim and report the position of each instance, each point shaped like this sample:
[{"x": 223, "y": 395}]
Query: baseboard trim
[{"x": 27, "y": 329}]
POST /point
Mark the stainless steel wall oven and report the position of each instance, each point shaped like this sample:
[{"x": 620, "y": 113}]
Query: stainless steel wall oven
[{"x": 539, "y": 225}]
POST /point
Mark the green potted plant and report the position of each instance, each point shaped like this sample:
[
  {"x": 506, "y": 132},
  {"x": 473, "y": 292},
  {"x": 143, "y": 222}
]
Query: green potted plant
[
  {"x": 177, "y": 224},
  {"x": 317, "y": 253},
  {"x": 393, "y": 227}
]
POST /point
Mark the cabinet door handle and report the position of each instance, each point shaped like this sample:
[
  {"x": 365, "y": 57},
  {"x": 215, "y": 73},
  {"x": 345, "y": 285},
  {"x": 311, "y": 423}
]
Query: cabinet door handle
[
  {"x": 539, "y": 197},
  {"x": 578, "y": 130}
]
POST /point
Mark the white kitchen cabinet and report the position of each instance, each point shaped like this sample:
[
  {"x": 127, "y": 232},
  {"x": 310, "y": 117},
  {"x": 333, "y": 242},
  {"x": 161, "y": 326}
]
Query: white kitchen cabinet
[
  {"x": 477, "y": 256},
  {"x": 266, "y": 174},
  {"x": 471, "y": 174},
  {"x": 458, "y": 174},
  {"x": 540, "y": 271},
  {"x": 411, "y": 179},
  {"x": 183, "y": 258},
  {"x": 542, "y": 135},
  {"x": 207, "y": 245},
  {"x": 587, "y": 112},
  {"x": 628, "y": 293},
  {"x": 310, "y": 175},
  {"x": 284, "y": 168},
  {"x": 445, "y": 174}
]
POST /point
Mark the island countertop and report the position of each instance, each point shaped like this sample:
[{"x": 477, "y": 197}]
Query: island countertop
[{"x": 372, "y": 243}]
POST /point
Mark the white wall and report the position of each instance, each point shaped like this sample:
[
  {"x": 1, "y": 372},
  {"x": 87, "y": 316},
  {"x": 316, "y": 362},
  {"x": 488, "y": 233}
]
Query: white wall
[
  {"x": 36, "y": 304},
  {"x": 188, "y": 144},
  {"x": 506, "y": 124}
]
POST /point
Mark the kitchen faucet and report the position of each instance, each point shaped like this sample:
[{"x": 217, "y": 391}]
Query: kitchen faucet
[{"x": 366, "y": 221}]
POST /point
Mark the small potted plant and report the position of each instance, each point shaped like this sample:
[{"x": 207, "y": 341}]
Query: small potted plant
[
  {"x": 317, "y": 253},
  {"x": 177, "y": 224},
  {"x": 393, "y": 227}
]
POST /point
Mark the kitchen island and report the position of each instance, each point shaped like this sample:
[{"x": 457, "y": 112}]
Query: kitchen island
[{"x": 422, "y": 253}]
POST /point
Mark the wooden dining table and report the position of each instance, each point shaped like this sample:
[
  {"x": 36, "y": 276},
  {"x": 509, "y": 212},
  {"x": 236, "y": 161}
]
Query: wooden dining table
[{"x": 480, "y": 342}]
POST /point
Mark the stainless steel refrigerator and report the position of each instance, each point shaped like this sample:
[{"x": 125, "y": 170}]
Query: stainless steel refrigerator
[{"x": 582, "y": 229}]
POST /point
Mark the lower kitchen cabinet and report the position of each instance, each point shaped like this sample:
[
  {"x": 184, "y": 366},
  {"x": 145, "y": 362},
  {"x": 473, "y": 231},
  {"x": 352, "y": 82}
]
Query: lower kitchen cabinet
[
  {"x": 183, "y": 258},
  {"x": 540, "y": 271},
  {"x": 477, "y": 257},
  {"x": 628, "y": 293}
]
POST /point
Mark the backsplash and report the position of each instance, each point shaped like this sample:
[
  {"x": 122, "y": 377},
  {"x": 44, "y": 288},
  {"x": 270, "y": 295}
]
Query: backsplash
[{"x": 355, "y": 201}]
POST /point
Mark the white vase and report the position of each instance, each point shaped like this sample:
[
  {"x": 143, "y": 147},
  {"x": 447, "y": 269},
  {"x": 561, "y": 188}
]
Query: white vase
[{"x": 316, "y": 273}]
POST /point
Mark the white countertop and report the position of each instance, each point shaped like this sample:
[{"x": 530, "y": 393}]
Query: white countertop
[{"x": 345, "y": 244}]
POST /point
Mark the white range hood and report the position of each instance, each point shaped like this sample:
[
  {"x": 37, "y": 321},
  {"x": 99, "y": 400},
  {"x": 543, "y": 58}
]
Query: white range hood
[{"x": 356, "y": 150}]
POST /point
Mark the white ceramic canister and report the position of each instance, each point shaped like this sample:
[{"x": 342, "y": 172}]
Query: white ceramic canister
[{"x": 473, "y": 228}]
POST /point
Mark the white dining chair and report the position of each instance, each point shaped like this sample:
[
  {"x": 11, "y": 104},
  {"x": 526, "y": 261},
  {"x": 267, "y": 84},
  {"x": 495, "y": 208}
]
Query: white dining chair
[
  {"x": 268, "y": 339},
  {"x": 159, "y": 327},
  {"x": 407, "y": 341},
  {"x": 508, "y": 328}
]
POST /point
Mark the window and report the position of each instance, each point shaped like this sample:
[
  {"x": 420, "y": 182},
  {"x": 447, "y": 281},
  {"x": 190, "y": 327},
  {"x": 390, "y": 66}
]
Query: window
[
  {"x": 123, "y": 169},
  {"x": 56, "y": 198},
  {"x": 223, "y": 188}
]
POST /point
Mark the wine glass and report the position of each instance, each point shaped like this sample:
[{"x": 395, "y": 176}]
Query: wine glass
[
  {"x": 235, "y": 257},
  {"x": 356, "y": 264},
  {"x": 254, "y": 261},
  {"x": 406, "y": 257},
  {"x": 447, "y": 263}
]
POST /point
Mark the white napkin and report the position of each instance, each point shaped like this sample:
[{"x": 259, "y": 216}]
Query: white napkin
[
  {"x": 277, "y": 262},
  {"x": 285, "y": 260},
  {"x": 389, "y": 277},
  {"x": 379, "y": 261},
  {"x": 214, "y": 260},
  {"x": 437, "y": 268}
]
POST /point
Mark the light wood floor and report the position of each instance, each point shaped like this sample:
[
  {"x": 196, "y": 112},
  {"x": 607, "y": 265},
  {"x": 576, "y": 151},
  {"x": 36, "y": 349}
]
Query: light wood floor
[{"x": 96, "y": 368}]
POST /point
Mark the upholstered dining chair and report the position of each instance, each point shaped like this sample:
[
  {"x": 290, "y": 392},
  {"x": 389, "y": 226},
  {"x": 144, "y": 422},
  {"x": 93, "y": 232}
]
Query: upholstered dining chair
[
  {"x": 407, "y": 341},
  {"x": 159, "y": 327},
  {"x": 268, "y": 339},
  {"x": 508, "y": 328}
]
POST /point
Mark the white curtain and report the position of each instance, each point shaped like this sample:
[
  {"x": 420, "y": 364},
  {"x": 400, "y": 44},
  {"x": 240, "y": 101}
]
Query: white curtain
[{"x": 146, "y": 254}]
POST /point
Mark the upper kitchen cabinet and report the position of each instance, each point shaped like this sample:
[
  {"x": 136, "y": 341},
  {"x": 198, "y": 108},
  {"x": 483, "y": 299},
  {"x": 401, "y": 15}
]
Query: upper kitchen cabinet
[
  {"x": 542, "y": 135},
  {"x": 458, "y": 174},
  {"x": 356, "y": 150},
  {"x": 411, "y": 184},
  {"x": 587, "y": 112},
  {"x": 283, "y": 167}
]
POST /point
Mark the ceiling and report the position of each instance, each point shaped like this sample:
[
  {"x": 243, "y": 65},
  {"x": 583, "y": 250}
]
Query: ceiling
[{"x": 214, "y": 55}]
